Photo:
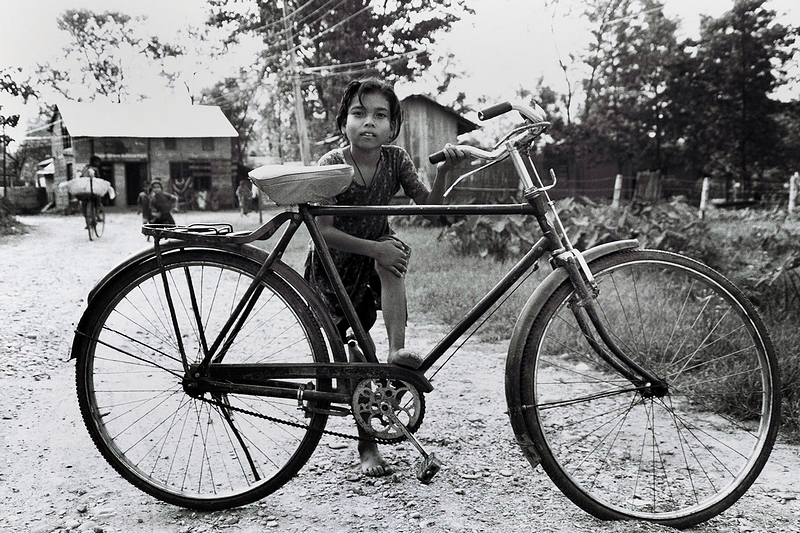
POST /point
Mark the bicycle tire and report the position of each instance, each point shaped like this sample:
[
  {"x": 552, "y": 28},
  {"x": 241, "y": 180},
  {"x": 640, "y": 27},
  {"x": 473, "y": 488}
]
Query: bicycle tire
[
  {"x": 91, "y": 219},
  {"x": 100, "y": 222},
  {"x": 180, "y": 449},
  {"x": 679, "y": 459}
]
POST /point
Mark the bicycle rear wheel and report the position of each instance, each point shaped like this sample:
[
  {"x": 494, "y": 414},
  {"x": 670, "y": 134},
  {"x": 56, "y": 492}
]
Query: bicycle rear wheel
[
  {"x": 214, "y": 451},
  {"x": 100, "y": 222},
  {"x": 620, "y": 451}
]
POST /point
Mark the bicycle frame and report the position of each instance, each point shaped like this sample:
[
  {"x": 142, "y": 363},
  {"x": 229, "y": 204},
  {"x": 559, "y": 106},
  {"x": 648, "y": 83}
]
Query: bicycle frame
[{"x": 561, "y": 252}]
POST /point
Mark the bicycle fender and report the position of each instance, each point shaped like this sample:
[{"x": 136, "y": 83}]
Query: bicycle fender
[
  {"x": 145, "y": 254},
  {"x": 294, "y": 279},
  {"x": 518, "y": 338}
]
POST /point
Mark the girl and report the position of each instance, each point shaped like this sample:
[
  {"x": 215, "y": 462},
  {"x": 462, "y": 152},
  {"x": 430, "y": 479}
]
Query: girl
[{"x": 370, "y": 259}]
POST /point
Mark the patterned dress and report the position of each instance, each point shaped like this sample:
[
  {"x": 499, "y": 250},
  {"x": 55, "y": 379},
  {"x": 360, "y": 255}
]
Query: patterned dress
[{"x": 395, "y": 171}]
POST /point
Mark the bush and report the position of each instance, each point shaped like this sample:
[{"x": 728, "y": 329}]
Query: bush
[
  {"x": 9, "y": 225},
  {"x": 670, "y": 226}
]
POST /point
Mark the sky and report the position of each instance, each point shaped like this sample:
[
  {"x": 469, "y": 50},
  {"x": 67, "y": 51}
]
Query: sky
[{"x": 506, "y": 45}]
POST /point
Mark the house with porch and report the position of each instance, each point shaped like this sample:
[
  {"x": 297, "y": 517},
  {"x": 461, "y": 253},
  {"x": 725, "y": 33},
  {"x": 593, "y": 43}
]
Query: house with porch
[{"x": 189, "y": 148}]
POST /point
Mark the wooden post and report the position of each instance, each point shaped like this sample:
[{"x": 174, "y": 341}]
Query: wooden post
[
  {"x": 617, "y": 191},
  {"x": 704, "y": 198},
  {"x": 793, "y": 192}
]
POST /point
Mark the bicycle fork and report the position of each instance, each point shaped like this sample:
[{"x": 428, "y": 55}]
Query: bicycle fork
[{"x": 585, "y": 309}]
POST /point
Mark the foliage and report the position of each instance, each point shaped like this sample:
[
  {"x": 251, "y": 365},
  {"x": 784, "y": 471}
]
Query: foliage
[
  {"x": 626, "y": 107},
  {"x": 721, "y": 93},
  {"x": 697, "y": 108},
  {"x": 11, "y": 85},
  {"x": 755, "y": 249},
  {"x": 332, "y": 44},
  {"x": 672, "y": 226},
  {"x": 762, "y": 257},
  {"x": 9, "y": 225},
  {"x": 238, "y": 107},
  {"x": 100, "y": 57}
]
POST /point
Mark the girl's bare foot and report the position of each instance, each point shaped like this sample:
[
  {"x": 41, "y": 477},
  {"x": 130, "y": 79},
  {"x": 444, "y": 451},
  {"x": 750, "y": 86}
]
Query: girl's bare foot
[
  {"x": 406, "y": 358},
  {"x": 372, "y": 463}
]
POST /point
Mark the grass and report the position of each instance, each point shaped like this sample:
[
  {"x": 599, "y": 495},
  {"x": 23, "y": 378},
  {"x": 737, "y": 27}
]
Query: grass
[{"x": 443, "y": 286}]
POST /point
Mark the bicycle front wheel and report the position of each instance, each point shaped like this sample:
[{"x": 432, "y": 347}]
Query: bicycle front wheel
[
  {"x": 207, "y": 452},
  {"x": 619, "y": 450},
  {"x": 91, "y": 219}
]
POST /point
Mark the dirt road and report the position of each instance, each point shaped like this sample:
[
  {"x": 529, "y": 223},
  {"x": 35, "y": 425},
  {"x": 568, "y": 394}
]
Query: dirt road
[{"x": 53, "y": 479}]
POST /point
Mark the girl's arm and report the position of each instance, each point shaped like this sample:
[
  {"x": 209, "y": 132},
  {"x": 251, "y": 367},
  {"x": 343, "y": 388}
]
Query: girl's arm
[
  {"x": 453, "y": 157},
  {"x": 389, "y": 253}
]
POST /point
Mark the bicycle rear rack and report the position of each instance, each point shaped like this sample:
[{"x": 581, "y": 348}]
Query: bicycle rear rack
[{"x": 213, "y": 233}]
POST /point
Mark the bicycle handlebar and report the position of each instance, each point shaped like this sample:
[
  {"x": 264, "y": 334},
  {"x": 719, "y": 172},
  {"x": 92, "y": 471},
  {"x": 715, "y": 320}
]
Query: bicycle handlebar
[
  {"x": 495, "y": 111},
  {"x": 533, "y": 116}
]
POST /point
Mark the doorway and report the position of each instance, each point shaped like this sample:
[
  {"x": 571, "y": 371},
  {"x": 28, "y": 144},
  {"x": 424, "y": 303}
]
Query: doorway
[{"x": 135, "y": 176}]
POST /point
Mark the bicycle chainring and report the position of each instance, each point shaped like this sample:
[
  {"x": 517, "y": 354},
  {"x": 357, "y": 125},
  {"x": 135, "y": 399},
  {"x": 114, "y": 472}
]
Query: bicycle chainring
[{"x": 372, "y": 398}]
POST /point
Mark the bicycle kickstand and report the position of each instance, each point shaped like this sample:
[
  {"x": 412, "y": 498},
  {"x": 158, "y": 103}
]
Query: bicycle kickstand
[{"x": 429, "y": 465}]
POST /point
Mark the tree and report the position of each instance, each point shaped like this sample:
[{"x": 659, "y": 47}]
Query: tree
[
  {"x": 238, "y": 107},
  {"x": 16, "y": 89},
  {"x": 724, "y": 93},
  {"x": 321, "y": 45},
  {"x": 103, "y": 50},
  {"x": 626, "y": 102}
]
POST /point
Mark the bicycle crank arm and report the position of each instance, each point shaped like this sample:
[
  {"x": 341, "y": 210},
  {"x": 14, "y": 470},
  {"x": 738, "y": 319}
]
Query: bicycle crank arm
[{"x": 429, "y": 465}]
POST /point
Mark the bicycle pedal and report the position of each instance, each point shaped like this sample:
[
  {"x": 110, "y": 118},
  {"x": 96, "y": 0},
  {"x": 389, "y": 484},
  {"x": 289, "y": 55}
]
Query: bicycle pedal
[{"x": 428, "y": 467}]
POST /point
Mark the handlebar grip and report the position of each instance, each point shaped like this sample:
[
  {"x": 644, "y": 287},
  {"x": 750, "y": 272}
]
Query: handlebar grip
[
  {"x": 494, "y": 111},
  {"x": 438, "y": 157}
]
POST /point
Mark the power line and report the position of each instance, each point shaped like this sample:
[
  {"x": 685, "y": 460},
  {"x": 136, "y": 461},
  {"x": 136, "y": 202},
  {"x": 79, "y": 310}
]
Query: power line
[{"x": 367, "y": 62}]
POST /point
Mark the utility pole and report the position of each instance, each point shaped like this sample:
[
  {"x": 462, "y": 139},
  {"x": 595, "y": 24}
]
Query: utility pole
[{"x": 300, "y": 116}]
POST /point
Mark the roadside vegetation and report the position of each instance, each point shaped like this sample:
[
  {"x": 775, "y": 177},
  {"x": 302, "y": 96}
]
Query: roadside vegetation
[
  {"x": 453, "y": 267},
  {"x": 9, "y": 225}
]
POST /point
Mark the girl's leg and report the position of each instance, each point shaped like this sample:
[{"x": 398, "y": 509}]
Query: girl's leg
[
  {"x": 372, "y": 462},
  {"x": 395, "y": 317},
  {"x": 393, "y": 304}
]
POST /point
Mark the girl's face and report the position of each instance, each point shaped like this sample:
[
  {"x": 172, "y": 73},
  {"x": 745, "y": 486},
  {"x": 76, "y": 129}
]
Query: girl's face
[{"x": 369, "y": 121}]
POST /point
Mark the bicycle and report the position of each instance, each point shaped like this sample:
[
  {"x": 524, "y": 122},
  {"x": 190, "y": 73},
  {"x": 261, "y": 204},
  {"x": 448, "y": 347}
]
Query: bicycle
[
  {"x": 95, "y": 218},
  {"x": 207, "y": 369}
]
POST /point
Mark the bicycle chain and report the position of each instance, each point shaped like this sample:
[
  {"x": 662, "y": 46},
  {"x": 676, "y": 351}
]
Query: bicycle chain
[{"x": 297, "y": 424}]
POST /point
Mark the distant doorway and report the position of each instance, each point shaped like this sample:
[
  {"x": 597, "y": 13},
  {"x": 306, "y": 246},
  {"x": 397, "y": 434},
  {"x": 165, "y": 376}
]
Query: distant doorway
[
  {"x": 135, "y": 176},
  {"x": 107, "y": 173}
]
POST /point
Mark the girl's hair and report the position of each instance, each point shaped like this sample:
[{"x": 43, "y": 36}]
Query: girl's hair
[{"x": 356, "y": 89}]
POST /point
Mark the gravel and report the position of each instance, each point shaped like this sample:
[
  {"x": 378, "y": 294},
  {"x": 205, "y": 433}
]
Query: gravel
[{"x": 52, "y": 479}]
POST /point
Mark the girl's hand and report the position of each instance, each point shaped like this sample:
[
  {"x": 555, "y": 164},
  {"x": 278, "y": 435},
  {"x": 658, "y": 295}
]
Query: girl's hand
[
  {"x": 393, "y": 256},
  {"x": 452, "y": 157}
]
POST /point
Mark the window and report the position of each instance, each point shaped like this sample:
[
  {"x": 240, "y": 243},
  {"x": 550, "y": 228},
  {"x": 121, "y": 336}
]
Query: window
[
  {"x": 171, "y": 144},
  {"x": 208, "y": 144}
]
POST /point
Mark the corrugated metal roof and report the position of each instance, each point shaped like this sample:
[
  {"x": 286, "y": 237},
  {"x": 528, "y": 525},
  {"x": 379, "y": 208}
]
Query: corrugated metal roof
[{"x": 144, "y": 120}]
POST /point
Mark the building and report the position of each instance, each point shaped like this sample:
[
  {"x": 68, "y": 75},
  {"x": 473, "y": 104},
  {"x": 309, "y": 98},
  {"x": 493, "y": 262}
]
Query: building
[
  {"x": 427, "y": 127},
  {"x": 189, "y": 148}
]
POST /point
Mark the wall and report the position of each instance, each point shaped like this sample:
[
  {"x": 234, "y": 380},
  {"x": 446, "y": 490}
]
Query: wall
[{"x": 426, "y": 129}]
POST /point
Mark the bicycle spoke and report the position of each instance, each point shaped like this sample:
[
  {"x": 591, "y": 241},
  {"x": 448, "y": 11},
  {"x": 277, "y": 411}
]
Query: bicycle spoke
[
  {"x": 672, "y": 453},
  {"x": 196, "y": 450}
]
